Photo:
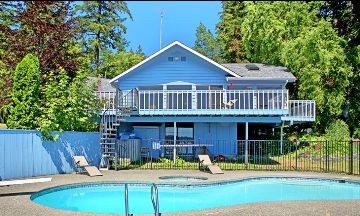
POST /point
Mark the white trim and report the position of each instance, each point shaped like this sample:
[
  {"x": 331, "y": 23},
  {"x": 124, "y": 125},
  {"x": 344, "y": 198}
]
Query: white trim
[
  {"x": 24, "y": 181},
  {"x": 260, "y": 78},
  {"x": 179, "y": 83},
  {"x": 166, "y": 48}
]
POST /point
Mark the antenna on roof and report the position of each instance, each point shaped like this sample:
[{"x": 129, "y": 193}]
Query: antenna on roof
[{"x": 161, "y": 19}]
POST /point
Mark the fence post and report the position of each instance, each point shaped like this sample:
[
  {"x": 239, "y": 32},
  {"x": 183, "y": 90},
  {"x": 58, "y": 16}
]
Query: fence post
[
  {"x": 351, "y": 157},
  {"x": 327, "y": 164}
]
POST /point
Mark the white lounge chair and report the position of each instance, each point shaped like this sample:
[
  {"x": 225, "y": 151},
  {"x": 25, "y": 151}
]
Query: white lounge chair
[
  {"x": 81, "y": 162},
  {"x": 205, "y": 161},
  {"x": 230, "y": 103}
]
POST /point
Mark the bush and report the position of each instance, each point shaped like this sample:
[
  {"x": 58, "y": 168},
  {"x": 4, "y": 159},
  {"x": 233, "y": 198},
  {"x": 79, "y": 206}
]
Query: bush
[{"x": 338, "y": 130}]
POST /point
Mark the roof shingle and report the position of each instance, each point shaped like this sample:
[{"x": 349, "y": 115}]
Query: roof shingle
[{"x": 265, "y": 71}]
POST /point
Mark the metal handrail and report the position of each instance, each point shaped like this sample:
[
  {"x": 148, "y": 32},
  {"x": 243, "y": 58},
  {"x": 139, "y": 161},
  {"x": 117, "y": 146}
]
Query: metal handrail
[
  {"x": 127, "y": 201},
  {"x": 155, "y": 200}
]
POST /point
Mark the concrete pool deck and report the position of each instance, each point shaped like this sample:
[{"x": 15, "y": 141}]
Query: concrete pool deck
[{"x": 15, "y": 199}]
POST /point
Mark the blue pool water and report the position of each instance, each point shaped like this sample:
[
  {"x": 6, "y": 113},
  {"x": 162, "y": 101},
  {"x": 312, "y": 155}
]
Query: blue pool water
[{"x": 109, "y": 197}]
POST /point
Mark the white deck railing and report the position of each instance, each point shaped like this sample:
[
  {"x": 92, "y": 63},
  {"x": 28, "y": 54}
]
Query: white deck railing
[
  {"x": 212, "y": 102},
  {"x": 109, "y": 98},
  {"x": 302, "y": 110}
]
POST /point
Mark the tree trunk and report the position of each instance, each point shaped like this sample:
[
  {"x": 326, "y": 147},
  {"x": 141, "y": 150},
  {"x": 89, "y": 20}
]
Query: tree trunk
[{"x": 97, "y": 46}]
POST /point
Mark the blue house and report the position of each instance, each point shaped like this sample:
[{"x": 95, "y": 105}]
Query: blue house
[{"x": 179, "y": 98}]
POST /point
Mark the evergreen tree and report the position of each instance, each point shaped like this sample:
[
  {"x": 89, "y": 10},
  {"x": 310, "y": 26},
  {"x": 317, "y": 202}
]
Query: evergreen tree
[
  {"x": 24, "y": 107},
  {"x": 139, "y": 50},
  {"x": 102, "y": 28},
  {"x": 229, "y": 31},
  {"x": 205, "y": 43}
]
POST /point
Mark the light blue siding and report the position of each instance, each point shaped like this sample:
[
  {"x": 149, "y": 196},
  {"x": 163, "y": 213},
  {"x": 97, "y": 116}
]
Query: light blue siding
[
  {"x": 148, "y": 133},
  {"x": 225, "y": 133},
  {"x": 159, "y": 71},
  {"x": 23, "y": 153}
]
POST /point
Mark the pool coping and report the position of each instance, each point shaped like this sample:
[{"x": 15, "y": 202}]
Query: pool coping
[{"x": 180, "y": 185}]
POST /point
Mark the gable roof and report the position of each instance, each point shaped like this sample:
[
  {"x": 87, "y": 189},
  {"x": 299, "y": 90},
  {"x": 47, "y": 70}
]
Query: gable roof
[
  {"x": 266, "y": 71},
  {"x": 168, "y": 47}
]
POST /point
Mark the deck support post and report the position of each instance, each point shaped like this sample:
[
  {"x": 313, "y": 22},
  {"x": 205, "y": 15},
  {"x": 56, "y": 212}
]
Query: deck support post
[
  {"x": 175, "y": 143},
  {"x": 281, "y": 138},
  {"x": 246, "y": 143}
]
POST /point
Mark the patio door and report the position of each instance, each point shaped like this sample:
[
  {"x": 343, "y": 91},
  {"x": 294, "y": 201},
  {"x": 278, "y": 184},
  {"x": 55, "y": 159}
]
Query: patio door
[{"x": 184, "y": 136}]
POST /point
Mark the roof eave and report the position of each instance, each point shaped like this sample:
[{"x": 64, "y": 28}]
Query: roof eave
[{"x": 261, "y": 78}]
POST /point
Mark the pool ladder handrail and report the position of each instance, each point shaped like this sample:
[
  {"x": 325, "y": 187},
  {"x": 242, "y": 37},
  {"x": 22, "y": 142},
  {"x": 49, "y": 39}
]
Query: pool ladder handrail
[
  {"x": 127, "y": 201},
  {"x": 155, "y": 200}
]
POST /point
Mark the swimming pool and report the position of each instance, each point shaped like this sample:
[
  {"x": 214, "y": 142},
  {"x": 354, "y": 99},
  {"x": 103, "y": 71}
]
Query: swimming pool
[{"x": 108, "y": 197}]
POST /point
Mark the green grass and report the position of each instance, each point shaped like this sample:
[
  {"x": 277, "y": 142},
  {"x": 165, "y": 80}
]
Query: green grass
[
  {"x": 3, "y": 126},
  {"x": 286, "y": 162}
]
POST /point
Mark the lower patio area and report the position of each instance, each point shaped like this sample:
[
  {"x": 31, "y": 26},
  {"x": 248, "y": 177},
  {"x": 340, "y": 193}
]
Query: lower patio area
[{"x": 15, "y": 200}]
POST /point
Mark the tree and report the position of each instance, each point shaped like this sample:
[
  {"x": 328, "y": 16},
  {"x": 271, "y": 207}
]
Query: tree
[
  {"x": 68, "y": 105},
  {"x": 102, "y": 27},
  {"x": 319, "y": 63},
  {"x": 345, "y": 17},
  {"x": 139, "y": 50},
  {"x": 115, "y": 64},
  {"x": 5, "y": 84},
  {"x": 25, "y": 100},
  {"x": 45, "y": 28},
  {"x": 205, "y": 43},
  {"x": 267, "y": 25},
  {"x": 229, "y": 32}
]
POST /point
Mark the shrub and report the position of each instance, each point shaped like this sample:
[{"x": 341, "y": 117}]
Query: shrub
[{"x": 338, "y": 130}]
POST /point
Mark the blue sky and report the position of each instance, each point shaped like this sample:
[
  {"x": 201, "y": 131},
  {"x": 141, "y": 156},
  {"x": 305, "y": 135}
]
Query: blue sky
[{"x": 179, "y": 22}]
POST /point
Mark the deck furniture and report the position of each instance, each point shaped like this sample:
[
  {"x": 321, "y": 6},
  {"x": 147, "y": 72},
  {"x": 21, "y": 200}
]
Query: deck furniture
[
  {"x": 229, "y": 104},
  {"x": 81, "y": 163},
  {"x": 204, "y": 160}
]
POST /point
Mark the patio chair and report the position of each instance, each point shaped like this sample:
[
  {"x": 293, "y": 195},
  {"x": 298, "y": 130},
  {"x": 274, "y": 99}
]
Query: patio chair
[
  {"x": 204, "y": 160},
  {"x": 229, "y": 104},
  {"x": 81, "y": 163}
]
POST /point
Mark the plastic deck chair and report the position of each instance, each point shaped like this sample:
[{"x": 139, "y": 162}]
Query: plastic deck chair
[
  {"x": 81, "y": 162},
  {"x": 205, "y": 161},
  {"x": 229, "y": 104}
]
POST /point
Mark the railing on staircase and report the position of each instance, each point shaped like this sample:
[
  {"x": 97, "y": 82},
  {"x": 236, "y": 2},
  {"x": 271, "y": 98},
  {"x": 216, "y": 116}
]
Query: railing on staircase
[
  {"x": 111, "y": 119},
  {"x": 155, "y": 199}
]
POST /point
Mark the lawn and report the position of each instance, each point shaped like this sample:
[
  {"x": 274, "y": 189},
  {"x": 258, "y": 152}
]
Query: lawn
[{"x": 3, "y": 126}]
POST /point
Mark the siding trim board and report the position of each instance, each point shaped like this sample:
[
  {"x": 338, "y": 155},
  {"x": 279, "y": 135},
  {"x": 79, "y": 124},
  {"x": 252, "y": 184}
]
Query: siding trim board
[{"x": 161, "y": 119}]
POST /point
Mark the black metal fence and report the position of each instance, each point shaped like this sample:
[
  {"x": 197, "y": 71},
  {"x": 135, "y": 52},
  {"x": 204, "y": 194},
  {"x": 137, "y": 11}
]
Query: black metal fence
[{"x": 318, "y": 156}]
